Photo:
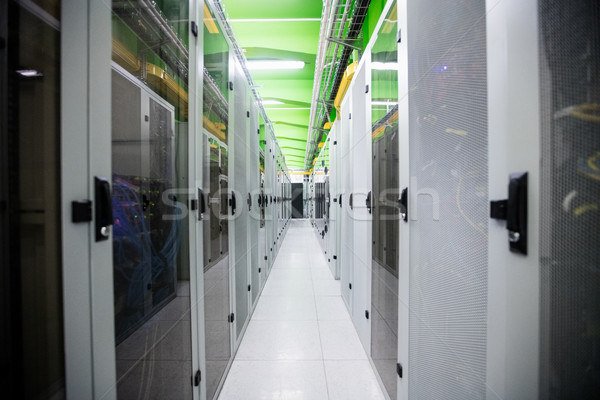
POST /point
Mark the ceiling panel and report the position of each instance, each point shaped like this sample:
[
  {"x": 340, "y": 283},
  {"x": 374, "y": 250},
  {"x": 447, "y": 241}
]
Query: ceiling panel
[{"x": 262, "y": 35}]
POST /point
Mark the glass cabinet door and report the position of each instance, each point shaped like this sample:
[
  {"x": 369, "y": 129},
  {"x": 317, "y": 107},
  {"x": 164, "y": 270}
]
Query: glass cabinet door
[
  {"x": 384, "y": 269},
  {"x": 151, "y": 272},
  {"x": 31, "y": 330}
]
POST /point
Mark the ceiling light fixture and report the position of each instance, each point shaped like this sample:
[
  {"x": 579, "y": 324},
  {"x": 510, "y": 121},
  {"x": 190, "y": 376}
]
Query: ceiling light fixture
[
  {"x": 29, "y": 73},
  {"x": 383, "y": 66},
  {"x": 274, "y": 64}
]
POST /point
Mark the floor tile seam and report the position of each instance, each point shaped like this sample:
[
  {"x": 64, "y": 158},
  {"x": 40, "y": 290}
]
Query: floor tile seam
[
  {"x": 288, "y": 295},
  {"x": 323, "y": 361},
  {"x": 289, "y": 361},
  {"x": 280, "y": 359}
]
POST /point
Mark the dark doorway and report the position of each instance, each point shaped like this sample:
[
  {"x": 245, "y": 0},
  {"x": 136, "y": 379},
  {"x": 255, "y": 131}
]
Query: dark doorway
[{"x": 297, "y": 200}]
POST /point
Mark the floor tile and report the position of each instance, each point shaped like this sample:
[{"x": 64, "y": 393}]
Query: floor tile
[
  {"x": 340, "y": 341},
  {"x": 281, "y": 340},
  {"x": 331, "y": 308},
  {"x": 291, "y": 273},
  {"x": 301, "y": 343},
  {"x": 349, "y": 380},
  {"x": 254, "y": 380},
  {"x": 327, "y": 288},
  {"x": 287, "y": 287},
  {"x": 321, "y": 274},
  {"x": 285, "y": 308}
]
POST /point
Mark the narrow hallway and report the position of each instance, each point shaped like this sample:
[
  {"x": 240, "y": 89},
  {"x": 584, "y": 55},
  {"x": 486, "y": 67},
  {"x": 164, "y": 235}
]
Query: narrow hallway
[{"x": 300, "y": 342}]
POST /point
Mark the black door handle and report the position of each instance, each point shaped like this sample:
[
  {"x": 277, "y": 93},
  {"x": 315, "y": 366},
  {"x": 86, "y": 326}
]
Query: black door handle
[
  {"x": 350, "y": 201},
  {"x": 403, "y": 204},
  {"x": 340, "y": 201},
  {"x": 368, "y": 202},
  {"x": 104, "y": 215},
  {"x": 514, "y": 211},
  {"x": 202, "y": 204},
  {"x": 249, "y": 201},
  {"x": 232, "y": 203}
]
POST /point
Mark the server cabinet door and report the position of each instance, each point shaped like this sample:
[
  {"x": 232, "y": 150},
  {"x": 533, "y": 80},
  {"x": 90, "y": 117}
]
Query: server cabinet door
[
  {"x": 268, "y": 202},
  {"x": 514, "y": 147},
  {"x": 361, "y": 203},
  {"x": 85, "y": 151},
  {"x": 155, "y": 284},
  {"x": 333, "y": 206},
  {"x": 386, "y": 221},
  {"x": 253, "y": 177},
  {"x": 55, "y": 279},
  {"x": 543, "y": 268},
  {"x": 347, "y": 227},
  {"x": 239, "y": 189},
  {"x": 448, "y": 208}
]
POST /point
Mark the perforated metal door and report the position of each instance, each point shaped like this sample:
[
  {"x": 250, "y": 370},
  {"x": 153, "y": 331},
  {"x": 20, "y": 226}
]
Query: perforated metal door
[
  {"x": 361, "y": 215},
  {"x": 569, "y": 44},
  {"x": 253, "y": 191},
  {"x": 346, "y": 170},
  {"x": 240, "y": 191},
  {"x": 448, "y": 211}
]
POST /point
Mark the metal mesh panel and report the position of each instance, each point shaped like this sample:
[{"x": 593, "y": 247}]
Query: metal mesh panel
[
  {"x": 570, "y": 219},
  {"x": 241, "y": 213},
  {"x": 448, "y": 169}
]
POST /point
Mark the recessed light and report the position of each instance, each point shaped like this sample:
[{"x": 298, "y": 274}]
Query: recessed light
[
  {"x": 274, "y": 64},
  {"x": 383, "y": 66},
  {"x": 29, "y": 73}
]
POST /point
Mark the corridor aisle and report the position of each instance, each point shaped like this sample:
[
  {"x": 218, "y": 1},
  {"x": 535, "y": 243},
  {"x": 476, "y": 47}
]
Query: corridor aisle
[{"x": 300, "y": 343}]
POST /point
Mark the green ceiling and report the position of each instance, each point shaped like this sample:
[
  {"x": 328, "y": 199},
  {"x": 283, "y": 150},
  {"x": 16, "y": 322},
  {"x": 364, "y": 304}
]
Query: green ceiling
[{"x": 261, "y": 39}]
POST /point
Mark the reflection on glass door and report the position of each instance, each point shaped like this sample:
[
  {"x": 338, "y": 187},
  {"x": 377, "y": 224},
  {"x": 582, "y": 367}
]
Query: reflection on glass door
[
  {"x": 384, "y": 271},
  {"x": 30, "y": 232},
  {"x": 151, "y": 272},
  {"x": 215, "y": 121}
]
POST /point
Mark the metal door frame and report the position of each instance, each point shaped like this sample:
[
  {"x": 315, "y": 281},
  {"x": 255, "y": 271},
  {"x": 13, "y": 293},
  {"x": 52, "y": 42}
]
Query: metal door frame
[{"x": 514, "y": 145}]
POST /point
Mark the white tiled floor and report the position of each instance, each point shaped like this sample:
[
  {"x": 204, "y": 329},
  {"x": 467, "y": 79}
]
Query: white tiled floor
[{"x": 300, "y": 343}]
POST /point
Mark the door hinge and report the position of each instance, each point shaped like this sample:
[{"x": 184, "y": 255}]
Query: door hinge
[
  {"x": 335, "y": 257},
  {"x": 197, "y": 378},
  {"x": 249, "y": 288},
  {"x": 231, "y": 317},
  {"x": 367, "y": 314},
  {"x": 194, "y": 28},
  {"x": 230, "y": 85},
  {"x": 350, "y": 286},
  {"x": 399, "y": 369},
  {"x": 399, "y": 37},
  {"x": 265, "y": 258},
  {"x": 335, "y": 142},
  {"x": 367, "y": 89},
  {"x": 247, "y": 114},
  {"x": 194, "y": 204},
  {"x": 260, "y": 269},
  {"x": 350, "y": 116}
]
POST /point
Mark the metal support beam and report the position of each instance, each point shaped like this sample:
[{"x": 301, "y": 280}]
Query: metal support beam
[{"x": 352, "y": 43}]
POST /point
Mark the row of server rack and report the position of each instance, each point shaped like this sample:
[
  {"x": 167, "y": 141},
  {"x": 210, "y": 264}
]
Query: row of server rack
[
  {"x": 243, "y": 203},
  {"x": 147, "y": 199},
  {"x": 457, "y": 196}
]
